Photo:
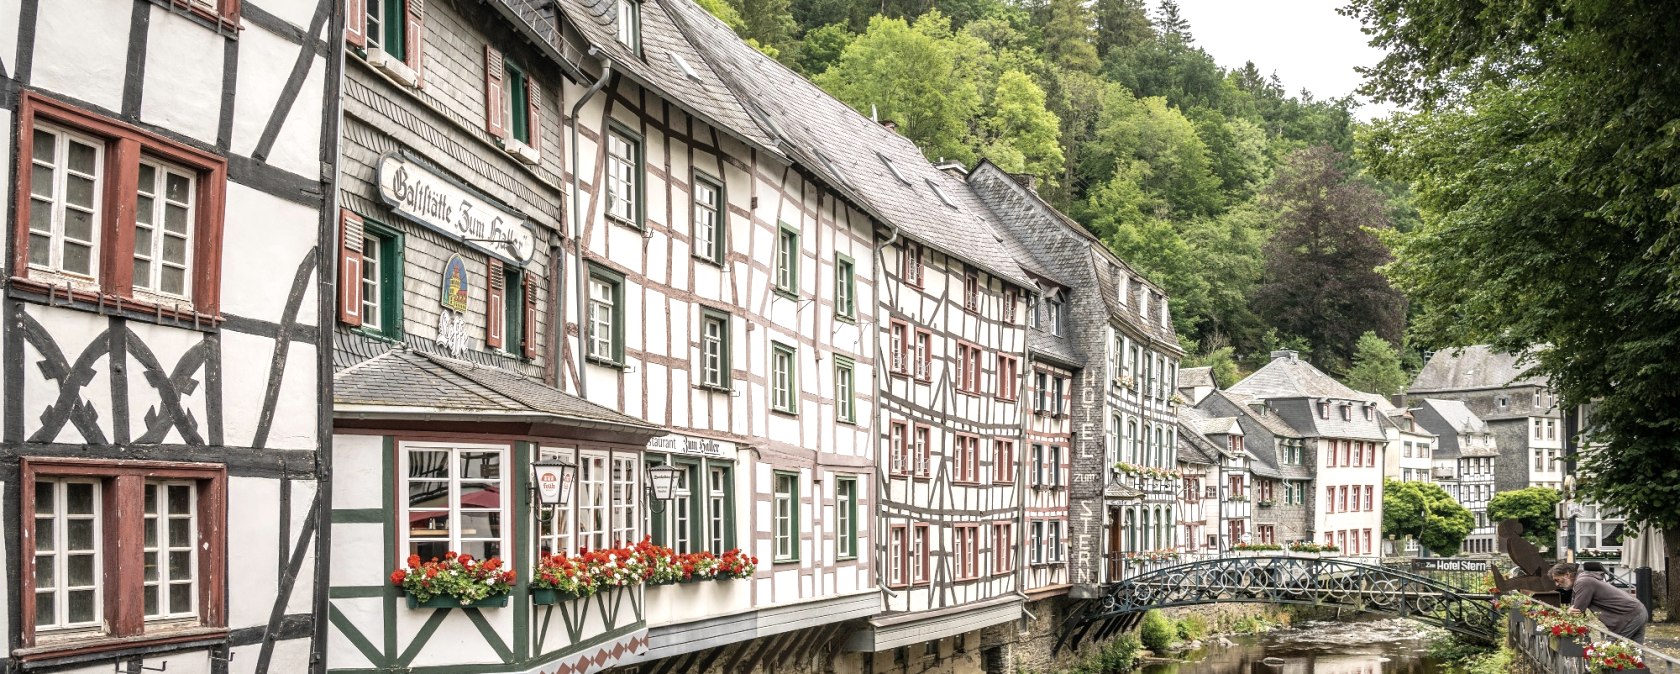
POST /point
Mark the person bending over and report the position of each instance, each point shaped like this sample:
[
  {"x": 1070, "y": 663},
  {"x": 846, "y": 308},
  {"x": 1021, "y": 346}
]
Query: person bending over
[{"x": 1616, "y": 608}]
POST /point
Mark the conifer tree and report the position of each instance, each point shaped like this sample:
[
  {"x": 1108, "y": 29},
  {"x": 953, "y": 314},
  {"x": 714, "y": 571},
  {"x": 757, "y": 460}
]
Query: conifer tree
[{"x": 1068, "y": 38}]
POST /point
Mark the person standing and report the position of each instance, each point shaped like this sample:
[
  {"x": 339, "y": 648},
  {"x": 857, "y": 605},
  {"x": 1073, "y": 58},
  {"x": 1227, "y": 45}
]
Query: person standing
[{"x": 1617, "y": 609}]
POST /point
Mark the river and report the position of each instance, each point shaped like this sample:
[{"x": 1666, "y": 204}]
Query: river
[{"x": 1315, "y": 647}]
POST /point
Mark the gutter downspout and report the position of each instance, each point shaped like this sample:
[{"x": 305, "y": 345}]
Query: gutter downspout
[
  {"x": 881, "y": 562},
  {"x": 1021, "y": 568},
  {"x": 577, "y": 218}
]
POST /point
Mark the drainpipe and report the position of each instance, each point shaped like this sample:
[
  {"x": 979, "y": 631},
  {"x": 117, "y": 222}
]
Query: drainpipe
[
  {"x": 1021, "y": 568},
  {"x": 882, "y": 565},
  {"x": 577, "y": 220}
]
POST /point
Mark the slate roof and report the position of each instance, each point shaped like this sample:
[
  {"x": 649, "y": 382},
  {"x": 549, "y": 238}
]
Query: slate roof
[
  {"x": 1193, "y": 447},
  {"x": 1457, "y": 415},
  {"x": 1474, "y": 367},
  {"x": 403, "y": 378},
  {"x": 1291, "y": 377},
  {"x": 705, "y": 96},
  {"x": 1191, "y": 377},
  {"x": 1057, "y": 349},
  {"x": 1269, "y": 420},
  {"x": 846, "y": 148}
]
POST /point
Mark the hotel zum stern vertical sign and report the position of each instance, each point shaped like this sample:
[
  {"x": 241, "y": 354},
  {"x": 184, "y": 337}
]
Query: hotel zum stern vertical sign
[{"x": 443, "y": 204}]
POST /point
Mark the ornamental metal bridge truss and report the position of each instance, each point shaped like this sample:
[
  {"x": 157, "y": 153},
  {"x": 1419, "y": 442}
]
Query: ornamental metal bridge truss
[{"x": 1308, "y": 581}]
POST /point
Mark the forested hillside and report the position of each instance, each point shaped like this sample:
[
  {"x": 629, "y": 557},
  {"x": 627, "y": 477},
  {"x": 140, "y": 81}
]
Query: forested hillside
[{"x": 1240, "y": 198}]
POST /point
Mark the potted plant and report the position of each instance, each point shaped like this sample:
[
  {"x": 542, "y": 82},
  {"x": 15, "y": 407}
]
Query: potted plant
[
  {"x": 735, "y": 564},
  {"x": 559, "y": 577},
  {"x": 1564, "y": 627},
  {"x": 1614, "y": 656},
  {"x": 456, "y": 581}
]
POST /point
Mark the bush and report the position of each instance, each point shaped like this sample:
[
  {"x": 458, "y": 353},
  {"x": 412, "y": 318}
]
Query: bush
[
  {"x": 1192, "y": 628},
  {"x": 1118, "y": 655},
  {"x": 1157, "y": 631}
]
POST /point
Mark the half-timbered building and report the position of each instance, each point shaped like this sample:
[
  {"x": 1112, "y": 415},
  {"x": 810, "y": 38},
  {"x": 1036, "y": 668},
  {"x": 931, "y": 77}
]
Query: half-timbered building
[
  {"x": 164, "y": 494},
  {"x": 447, "y": 383},
  {"x": 1201, "y": 467},
  {"x": 1279, "y": 464}
]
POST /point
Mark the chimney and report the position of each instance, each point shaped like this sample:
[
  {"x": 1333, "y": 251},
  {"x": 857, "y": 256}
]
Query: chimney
[
  {"x": 891, "y": 125},
  {"x": 954, "y": 169},
  {"x": 1287, "y": 354},
  {"x": 1026, "y": 180}
]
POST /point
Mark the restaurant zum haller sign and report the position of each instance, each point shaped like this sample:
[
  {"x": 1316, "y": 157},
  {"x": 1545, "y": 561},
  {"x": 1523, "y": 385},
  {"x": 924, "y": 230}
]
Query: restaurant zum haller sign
[{"x": 445, "y": 205}]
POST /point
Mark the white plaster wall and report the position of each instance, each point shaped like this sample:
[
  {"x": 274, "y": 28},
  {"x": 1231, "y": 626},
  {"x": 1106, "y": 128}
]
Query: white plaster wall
[
  {"x": 358, "y": 555},
  {"x": 457, "y": 640},
  {"x": 183, "y": 79},
  {"x": 169, "y": 345},
  {"x": 274, "y": 237},
  {"x": 265, "y": 64},
  {"x": 252, "y": 548},
  {"x": 73, "y": 331},
  {"x": 295, "y": 12},
  {"x": 81, "y": 49},
  {"x": 366, "y": 615},
  {"x": 302, "y": 598},
  {"x": 246, "y": 360},
  {"x": 294, "y": 425},
  {"x": 358, "y": 472}
]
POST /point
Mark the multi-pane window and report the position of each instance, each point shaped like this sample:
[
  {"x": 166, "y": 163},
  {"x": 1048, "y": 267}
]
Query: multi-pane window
[
  {"x": 1055, "y": 466},
  {"x": 592, "y": 529},
  {"x": 846, "y": 517},
  {"x": 719, "y": 534},
  {"x": 1055, "y": 317},
  {"x": 898, "y": 343},
  {"x": 845, "y": 288},
  {"x": 921, "y": 546},
  {"x": 676, "y": 526},
  {"x": 517, "y": 103},
  {"x": 714, "y": 350},
  {"x": 454, "y": 498},
  {"x": 968, "y": 550},
  {"x": 170, "y": 550},
  {"x": 787, "y": 517},
  {"x": 913, "y": 267},
  {"x": 967, "y": 451},
  {"x": 1041, "y": 392},
  {"x": 845, "y": 389},
  {"x": 1009, "y": 306},
  {"x": 708, "y": 219},
  {"x": 899, "y": 446},
  {"x": 68, "y": 592},
  {"x": 163, "y": 220},
  {"x": 924, "y": 354},
  {"x": 968, "y": 368},
  {"x": 66, "y": 186},
  {"x": 556, "y": 534},
  {"x": 513, "y": 310},
  {"x": 624, "y": 172},
  {"x": 630, "y": 25},
  {"x": 784, "y": 379},
  {"x": 373, "y": 297},
  {"x": 625, "y": 488},
  {"x": 1038, "y": 458},
  {"x": 385, "y": 27},
  {"x": 1008, "y": 377},
  {"x": 1003, "y": 546},
  {"x": 971, "y": 291},
  {"x": 606, "y": 316},
  {"x": 1003, "y": 461},
  {"x": 1055, "y": 543},
  {"x": 898, "y": 554},
  {"x": 923, "y": 448},
  {"x": 1035, "y": 544},
  {"x": 787, "y": 260}
]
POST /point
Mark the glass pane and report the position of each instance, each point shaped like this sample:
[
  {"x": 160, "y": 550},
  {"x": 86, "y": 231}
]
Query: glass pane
[
  {"x": 45, "y": 540},
  {"x": 174, "y": 280},
  {"x": 180, "y": 597},
  {"x": 180, "y": 533},
  {"x": 46, "y": 572},
  {"x": 82, "y": 157},
  {"x": 44, "y": 497},
  {"x": 151, "y": 532},
  {"x": 76, "y": 256},
  {"x": 428, "y": 463},
  {"x": 142, "y": 274},
  {"x": 40, "y": 181},
  {"x": 431, "y": 524},
  {"x": 78, "y": 224},
  {"x": 81, "y": 606},
  {"x": 175, "y": 247},
  {"x": 151, "y": 559},
  {"x": 428, "y": 495},
  {"x": 481, "y": 465},
  {"x": 481, "y": 495},
  {"x": 151, "y": 499},
  {"x": 40, "y": 245},
  {"x": 80, "y": 569},
  {"x": 151, "y": 594},
  {"x": 143, "y": 218},
  {"x": 180, "y": 565},
  {"x": 481, "y": 525},
  {"x": 179, "y": 185},
  {"x": 80, "y": 534},
  {"x": 148, "y": 179},
  {"x": 46, "y": 606},
  {"x": 175, "y": 218},
  {"x": 78, "y": 191},
  {"x": 180, "y": 499},
  {"x": 429, "y": 549},
  {"x": 45, "y": 144},
  {"x": 481, "y": 549}
]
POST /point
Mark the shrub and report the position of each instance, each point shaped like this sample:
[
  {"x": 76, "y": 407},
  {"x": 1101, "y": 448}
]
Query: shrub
[
  {"x": 1157, "y": 631},
  {"x": 1192, "y": 628}
]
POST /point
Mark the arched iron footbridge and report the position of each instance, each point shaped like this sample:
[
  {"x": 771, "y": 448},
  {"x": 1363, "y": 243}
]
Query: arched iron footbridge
[{"x": 1283, "y": 579}]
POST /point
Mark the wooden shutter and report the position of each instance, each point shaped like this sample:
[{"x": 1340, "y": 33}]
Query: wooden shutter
[
  {"x": 349, "y": 267},
  {"x": 533, "y": 113},
  {"x": 495, "y": 117},
  {"x": 355, "y": 22},
  {"x": 495, "y": 323},
  {"x": 417, "y": 40},
  {"x": 528, "y": 321}
]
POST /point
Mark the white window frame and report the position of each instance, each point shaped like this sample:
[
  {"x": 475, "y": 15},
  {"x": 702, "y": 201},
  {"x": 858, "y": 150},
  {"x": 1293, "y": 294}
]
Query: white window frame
[
  {"x": 712, "y": 349},
  {"x": 845, "y": 517},
  {"x": 454, "y": 540},
  {"x": 623, "y": 505},
  {"x": 559, "y": 534},
  {"x": 623, "y": 167},
  {"x": 59, "y": 558},
  {"x": 164, "y": 549},
  {"x": 708, "y": 214},
  {"x": 785, "y": 540},
  {"x": 629, "y": 28},
  {"x": 160, "y": 231},
  {"x": 784, "y": 375},
  {"x": 718, "y": 483},
  {"x": 601, "y": 316},
  {"x": 56, "y": 203}
]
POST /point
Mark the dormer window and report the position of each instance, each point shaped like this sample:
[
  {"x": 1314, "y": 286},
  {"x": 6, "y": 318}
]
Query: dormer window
[
  {"x": 1055, "y": 317},
  {"x": 630, "y": 25},
  {"x": 1367, "y": 410},
  {"x": 1347, "y": 412},
  {"x": 1324, "y": 410},
  {"x": 1503, "y": 402}
]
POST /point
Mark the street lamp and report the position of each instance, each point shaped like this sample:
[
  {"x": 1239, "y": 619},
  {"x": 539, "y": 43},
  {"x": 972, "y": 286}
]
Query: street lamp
[
  {"x": 552, "y": 481},
  {"x": 662, "y": 485}
]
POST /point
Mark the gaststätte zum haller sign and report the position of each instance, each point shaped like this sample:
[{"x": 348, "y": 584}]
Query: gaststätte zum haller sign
[{"x": 445, "y": 205}]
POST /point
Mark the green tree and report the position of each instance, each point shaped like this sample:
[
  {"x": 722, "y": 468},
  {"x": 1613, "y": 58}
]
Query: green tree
[
  {"x": 768, "y": 23},
  {"x": 1376, "y": 367},
  {"x": 1020, "y": 133},
  {"x": 822, "y": 47},
  {"x": 1542, "y": 156},
  {"x": 909, "y": 75},
  {"x": 1121, "y": 23},
  {"x": 1221, "y": 362},
  {"x": 726, "y": 13},
  {"x": 1179, "y": 178},
  {"x": 1067, "y": 36},
  {"x": 1172, "y": 25},
  {"x": 1321, "y": 279},
  {"x": 1534, "y": 507},
  {"x": 1426, "y": 512}
]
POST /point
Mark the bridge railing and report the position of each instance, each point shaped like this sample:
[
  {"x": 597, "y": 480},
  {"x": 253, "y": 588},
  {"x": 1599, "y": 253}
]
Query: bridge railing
[{"x": 1558, "y": 655}]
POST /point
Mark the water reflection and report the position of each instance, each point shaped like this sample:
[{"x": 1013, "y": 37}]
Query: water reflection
[{"x": 1371, "y": 647}]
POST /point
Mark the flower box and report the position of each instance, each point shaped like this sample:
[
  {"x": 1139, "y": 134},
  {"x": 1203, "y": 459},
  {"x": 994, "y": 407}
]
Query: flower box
[
  {"x": 1569, "y": 647},
  {"x": 446, "y": 601},
  {"x": 547, "y": 596}
]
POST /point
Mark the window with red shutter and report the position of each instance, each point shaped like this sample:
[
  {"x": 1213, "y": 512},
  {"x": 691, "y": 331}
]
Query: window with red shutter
[
  {"x": 349, "y": 267},
  {"x": 495, "y": 303},
  {"x": 416, "y": 41},
  {"x": 528, "y": 322},
  {"x": 355, "y": 24},
  {"x": 495, "y": 119}
]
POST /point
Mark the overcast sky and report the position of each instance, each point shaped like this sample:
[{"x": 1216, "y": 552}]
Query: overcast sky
[{"x": 1305, "y": 41}]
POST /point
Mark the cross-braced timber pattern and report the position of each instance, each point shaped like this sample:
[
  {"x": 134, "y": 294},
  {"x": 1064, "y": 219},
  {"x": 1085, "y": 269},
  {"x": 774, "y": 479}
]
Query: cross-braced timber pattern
[{"x": 1309, "y": 581}]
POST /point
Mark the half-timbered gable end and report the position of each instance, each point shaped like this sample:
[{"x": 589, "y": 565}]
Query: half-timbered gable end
[
  {"x": 169, "y": 230},
  {"x": 1124, "y": 490},
  {"x": 448, "y": 385}
]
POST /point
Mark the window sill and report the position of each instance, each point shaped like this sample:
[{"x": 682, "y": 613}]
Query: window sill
[
  {"x": 843, "y": 318},
  {"x": 376, "y": 334},
  {"x": 784, "y": 292},
  {"x": 708, "y": 260},
  {"x": 845, "y": 558},
  {"x": 33, "y": 290},
  {"x": 784, "y": 412},
  {"x": 393, "y": 68},
  {"x": 624, "y": 222},
  {"x": 603, "y": 362},
  {"x": 791, "y": 560},
  {"x": 524, "y": 153},
  {"x": 73, "y": 650},
  {"x": 848, "y": 422},
  {"x": 716, "y": 388}
]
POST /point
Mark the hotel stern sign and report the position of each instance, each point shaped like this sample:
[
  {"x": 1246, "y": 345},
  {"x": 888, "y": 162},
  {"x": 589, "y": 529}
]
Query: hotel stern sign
[{"x": 448, "y": 206}]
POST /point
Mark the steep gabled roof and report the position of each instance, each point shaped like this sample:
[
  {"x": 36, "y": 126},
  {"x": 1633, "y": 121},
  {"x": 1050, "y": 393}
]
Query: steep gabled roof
[
  {"x": 1287, "y": 376},
  {"x": 1474, "y": 367},
  {"x": 1190, "y": 377},
  {"x": 1255, "y": 409},
  {"x": 852, "y": 152},
  {"x": 1456, "y": 415}
]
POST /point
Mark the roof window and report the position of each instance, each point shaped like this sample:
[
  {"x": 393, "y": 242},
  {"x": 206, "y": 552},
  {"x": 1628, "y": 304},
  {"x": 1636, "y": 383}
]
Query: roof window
[
  {"x": 893, "y": 169},
  {"x": 682, "y": 64},
  {"x": 941, "y": 194}
]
